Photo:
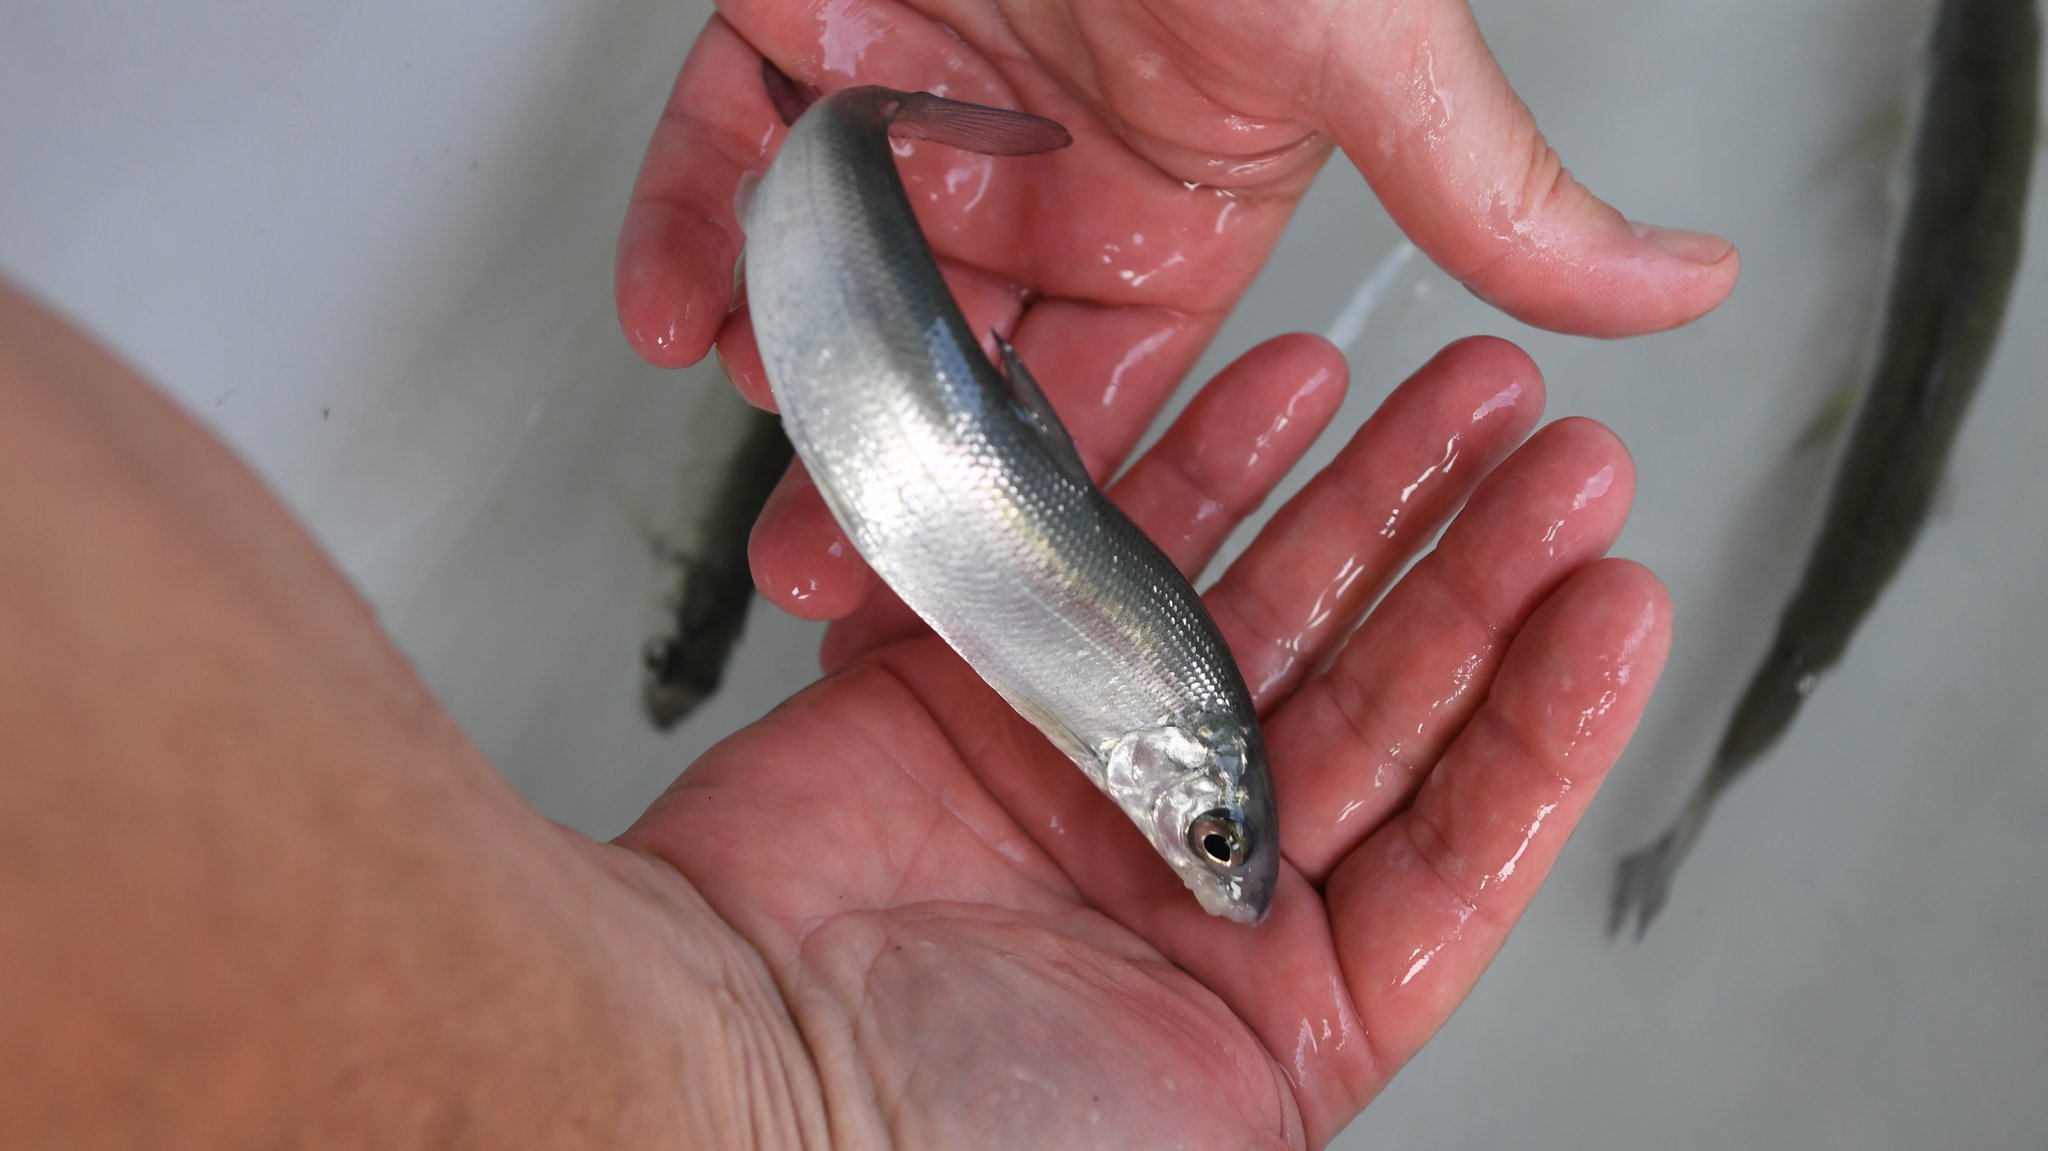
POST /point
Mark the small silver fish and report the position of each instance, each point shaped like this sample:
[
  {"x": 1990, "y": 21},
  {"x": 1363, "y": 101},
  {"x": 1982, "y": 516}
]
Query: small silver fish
[{"x": 959, "y": 486}]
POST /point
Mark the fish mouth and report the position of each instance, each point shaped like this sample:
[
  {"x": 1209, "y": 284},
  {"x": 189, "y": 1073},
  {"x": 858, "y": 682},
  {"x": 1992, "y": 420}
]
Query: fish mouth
[
  {"x": 1244, "y": 898},
  {"x": 1258, "y": 888}
]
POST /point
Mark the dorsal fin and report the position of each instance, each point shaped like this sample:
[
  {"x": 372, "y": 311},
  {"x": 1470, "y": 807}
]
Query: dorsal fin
[{"x": 1036, "y": 411}]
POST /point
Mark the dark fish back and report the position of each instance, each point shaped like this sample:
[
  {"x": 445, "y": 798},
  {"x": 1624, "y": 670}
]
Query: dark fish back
[{"x": 1958, "y": 253}]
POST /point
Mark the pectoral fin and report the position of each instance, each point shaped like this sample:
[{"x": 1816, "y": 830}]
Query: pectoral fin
[{"x": 1036, "y": 412}]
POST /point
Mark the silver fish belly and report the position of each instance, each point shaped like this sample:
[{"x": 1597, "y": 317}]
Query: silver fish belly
[{"x": 959, "y": 488}]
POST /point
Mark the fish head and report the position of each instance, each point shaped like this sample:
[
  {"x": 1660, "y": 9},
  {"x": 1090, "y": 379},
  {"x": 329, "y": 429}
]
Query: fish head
[{"x": 1201, "y": 793}]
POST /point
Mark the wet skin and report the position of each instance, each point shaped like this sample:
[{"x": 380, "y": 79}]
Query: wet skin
[
  {"x": 274, "y": 896},
  {"x": 1108, "y": 272}
]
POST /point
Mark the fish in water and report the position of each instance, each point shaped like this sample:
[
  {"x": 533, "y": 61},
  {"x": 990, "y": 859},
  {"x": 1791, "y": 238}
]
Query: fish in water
[
  {"x": 1952, "y": 272},
  {"x": 960, "y": 487},
  {"x": 683, "y": 665}
]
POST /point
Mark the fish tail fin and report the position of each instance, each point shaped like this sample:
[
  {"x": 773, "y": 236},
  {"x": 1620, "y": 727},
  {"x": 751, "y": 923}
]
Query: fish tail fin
[
  {"x": 1642, "y": 880},
  {"x": 789, "y": 95},
  {"x": 976, "y": 127}
]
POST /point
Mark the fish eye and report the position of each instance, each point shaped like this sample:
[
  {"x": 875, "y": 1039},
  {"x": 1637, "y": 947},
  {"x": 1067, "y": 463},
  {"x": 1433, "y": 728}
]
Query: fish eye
[{"x": 1217, "y": 838}]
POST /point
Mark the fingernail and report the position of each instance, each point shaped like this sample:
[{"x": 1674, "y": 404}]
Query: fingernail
[{"x": 1692, "y": 247}]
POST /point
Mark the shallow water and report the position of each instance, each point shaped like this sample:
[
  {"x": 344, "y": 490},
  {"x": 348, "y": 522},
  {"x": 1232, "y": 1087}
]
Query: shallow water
[{"x": 371, "y": 244}]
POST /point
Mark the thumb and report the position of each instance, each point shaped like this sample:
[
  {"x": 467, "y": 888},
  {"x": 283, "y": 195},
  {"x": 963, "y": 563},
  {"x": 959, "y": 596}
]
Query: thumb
[{"x": 1418, "y": 102}]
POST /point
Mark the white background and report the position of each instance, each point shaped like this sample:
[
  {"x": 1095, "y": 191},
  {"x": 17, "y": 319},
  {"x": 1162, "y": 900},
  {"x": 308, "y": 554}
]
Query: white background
[{"x": 370, "y": 243}]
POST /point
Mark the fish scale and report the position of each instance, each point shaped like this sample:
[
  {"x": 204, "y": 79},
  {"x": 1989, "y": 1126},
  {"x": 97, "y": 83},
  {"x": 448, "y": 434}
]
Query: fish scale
[{"x": 973, "y": 515}]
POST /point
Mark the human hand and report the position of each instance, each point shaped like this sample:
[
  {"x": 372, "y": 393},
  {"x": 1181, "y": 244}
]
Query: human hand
[
  {"x": 961, "y": 943},
  {"x": 888, "y": 912},
  {"x": 1111, "y": 264}
]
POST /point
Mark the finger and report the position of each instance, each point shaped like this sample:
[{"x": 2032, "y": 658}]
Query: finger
[
  {"x": 1421, "y": 908},
  {"x": 673, "y": 276},
  {"x": 1331, "y": 550},
  {"x": 882, "y": 619},
  {"x": 802, "y": 561},
  {"x": 740, "y": 358},
  {"x": 1238, "y": 439},
  {"x": 1214, "y": 466},
  {"x": 1354, "y": 743},
  {"x": 1419, "y": 103}
]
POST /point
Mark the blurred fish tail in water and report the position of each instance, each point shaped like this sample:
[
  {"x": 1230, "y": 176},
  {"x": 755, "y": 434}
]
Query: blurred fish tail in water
[
  {"x": 1957, "y": 254},
  {"x": 683, "y": 665}
]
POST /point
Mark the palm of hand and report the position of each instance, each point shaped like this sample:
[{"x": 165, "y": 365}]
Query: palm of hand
[
  {"x": 977, "y": 949},
  {"x": 956, "y": 988}
]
